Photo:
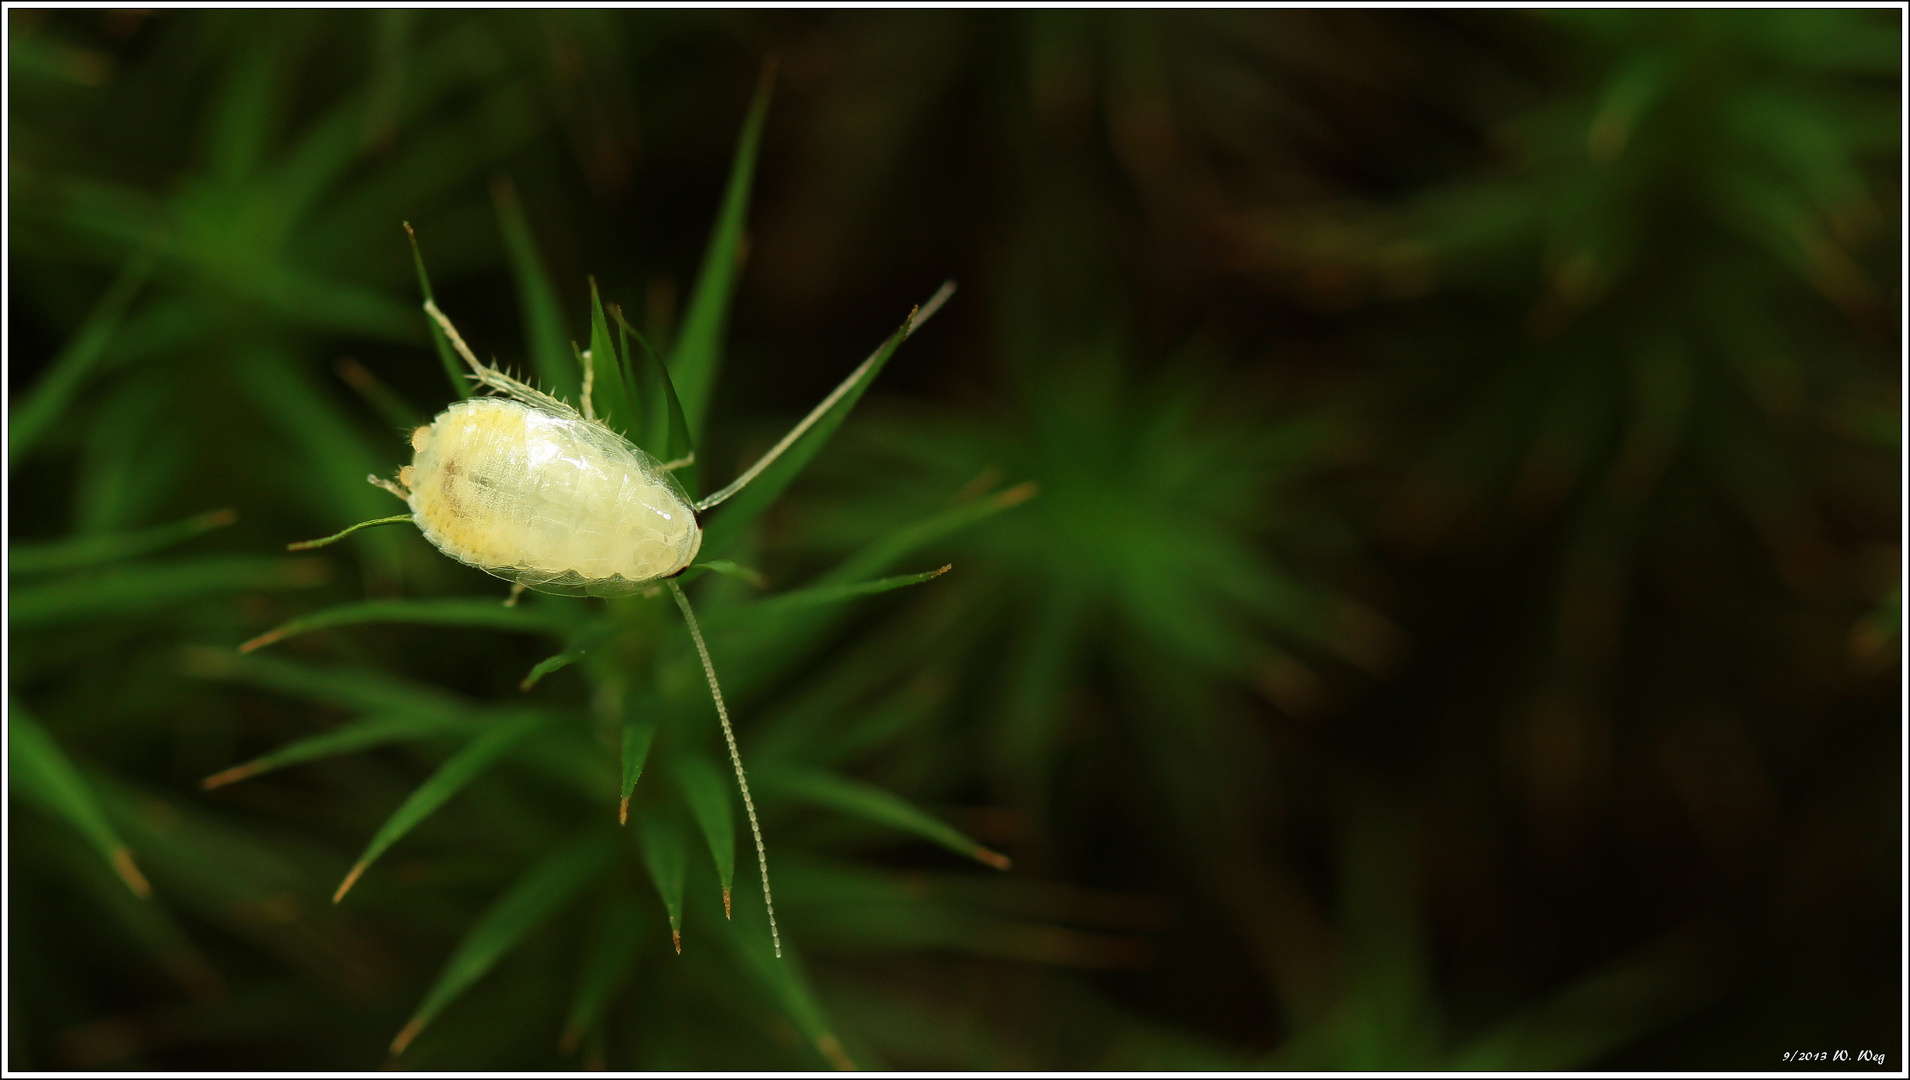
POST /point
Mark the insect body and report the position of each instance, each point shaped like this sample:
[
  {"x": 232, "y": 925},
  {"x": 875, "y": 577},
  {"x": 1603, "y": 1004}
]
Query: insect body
[
  {"x": 528, "y": 489},
  {"x": 553, "y": 502}
]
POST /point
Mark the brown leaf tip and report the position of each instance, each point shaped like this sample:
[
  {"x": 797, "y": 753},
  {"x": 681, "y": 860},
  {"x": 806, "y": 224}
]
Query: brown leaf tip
[
  {"x": 1018, "y": 494},
  {"x": 262, "y": 640},
  {"x": 405, "y": 1036},
  {"x": 229, "y": 776},
  {"x": 993, "y": 858},
  {"x": 128, "y": 872},
  {"x": 345, "y": 887},
  {"x": 831, "y": 1048}
]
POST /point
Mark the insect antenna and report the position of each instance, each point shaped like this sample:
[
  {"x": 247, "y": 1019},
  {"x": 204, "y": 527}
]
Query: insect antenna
[
  {"x": 736, "y": 759},
  {"x": 920, "y": 316}
]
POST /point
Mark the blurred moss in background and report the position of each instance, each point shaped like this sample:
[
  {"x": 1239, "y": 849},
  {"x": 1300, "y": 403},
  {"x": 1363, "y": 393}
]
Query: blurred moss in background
[{"x": 1455, "y": 623}]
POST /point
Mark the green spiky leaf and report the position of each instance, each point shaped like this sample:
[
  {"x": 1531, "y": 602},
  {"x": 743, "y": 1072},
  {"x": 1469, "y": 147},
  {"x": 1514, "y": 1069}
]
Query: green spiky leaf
[
  {"x": 449, "y": 611},
  {"x": 453, "y": 368},
  {"x": 612, "y": 951},
  {"x": 352, "y": 687},
  {"x": 528, "y": 904},
  {"x": 39, "y": 770},
  {"x": 582, "y": 642},
  {"x": 107, "y": 547},
  {"x": 698, "y": 355},
  {"x": 133, "y": 589},
  {"x": 361, "y": 734},
  {"x": 660, "y": 428},
  {"x": 875, "y": 805},
  {"x": 706, "y": 788},
  {"x": 660, "y": 834},
  {"x": 43, "y": 406},
  {"x": 639, "y": 731},
  {"x": 450, "y": 778},
  {"x": 545, "y": 337}
]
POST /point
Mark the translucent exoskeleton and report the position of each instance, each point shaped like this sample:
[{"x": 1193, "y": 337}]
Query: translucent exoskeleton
[{"x": 526, "y": 488}]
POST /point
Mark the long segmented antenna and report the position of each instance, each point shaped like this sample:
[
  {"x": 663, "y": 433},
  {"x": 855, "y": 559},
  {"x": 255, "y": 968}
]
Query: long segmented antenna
[
  {"x": 920, "y": 316},
  {"x": 736, "y": 759}
]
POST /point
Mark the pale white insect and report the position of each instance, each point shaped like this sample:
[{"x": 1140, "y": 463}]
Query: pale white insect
[{"x": 526, "y": 488}]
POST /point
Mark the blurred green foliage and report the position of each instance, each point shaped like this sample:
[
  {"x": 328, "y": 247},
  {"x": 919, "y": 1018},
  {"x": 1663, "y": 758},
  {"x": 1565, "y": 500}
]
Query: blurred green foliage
[{"x": 1421, "y": 488}]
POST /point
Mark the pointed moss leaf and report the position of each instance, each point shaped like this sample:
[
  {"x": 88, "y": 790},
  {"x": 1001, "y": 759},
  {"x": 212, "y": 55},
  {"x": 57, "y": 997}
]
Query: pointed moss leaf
[
  {"x": 47, "y": 402},
  {"x": 1600, "y": 1012},
  {"x": 581, "y": 643},
  {"x": 882, "y": 553},
  {"x": 391, "y": 407},
  {"x": 148, "y": 924},
  {"x": 734, "y": 516},
  {"x": 333, "y": 453},
  {"x": 786, "y": 978},
  {"x": 609, "y": 393},
  {"x": 820, "y": 595},
  {"x": 661, "y": 835},
  {"x": 460, "y": 769},
  {"x": 875, "y": 805},
  {"x": 453, "y": 370},
  {"x": 706, "y": 788},
  {"x": 545, "y": 336},
  {"x": 351, "y": 687},
  {"x": 665, "y": 432},
  {"x": 361, "y": 734},
  {"x": 453, "y": 611},
  {"x": 774, "y": 645},
  {"x": 144, "y": 588},
  {"x": 699, "y": 345},
  {"x": 531, "y": 901},
  {"x": 608, "y": 958},
  {"x": 40, "y": 771},
  {"x": 34, "y": 56},
  {"x": 639, "y": 730},
  {"x": 730, "y": 569},
  {"x": 107, "y": 547}
]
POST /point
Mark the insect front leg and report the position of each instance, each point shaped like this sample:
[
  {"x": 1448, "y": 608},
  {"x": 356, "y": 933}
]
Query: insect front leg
[
  {"x": 590, "y": 379},
  {"x": 380, "y": 482},
  {"x": 492, "y": 377}
]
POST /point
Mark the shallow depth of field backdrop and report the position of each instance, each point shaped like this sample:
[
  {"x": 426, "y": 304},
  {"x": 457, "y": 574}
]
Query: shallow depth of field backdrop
[{"x": 1455, "y": 624}]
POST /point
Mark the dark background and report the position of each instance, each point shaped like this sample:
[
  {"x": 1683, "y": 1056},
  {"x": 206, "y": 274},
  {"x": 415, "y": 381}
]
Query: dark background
[{"x": 1458, "y": 625}]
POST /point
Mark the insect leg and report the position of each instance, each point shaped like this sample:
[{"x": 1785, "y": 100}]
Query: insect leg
[
  {"x": 492, "y": 377},
  {"x": 590, "y": 378},
  {"x": 307, "y": 545},
  {"x": 920, "y": 316},
  {"x": 736, "y": 759},
  {"x": 381, "y": 482},
  {"x": 517, "y": 590}
]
